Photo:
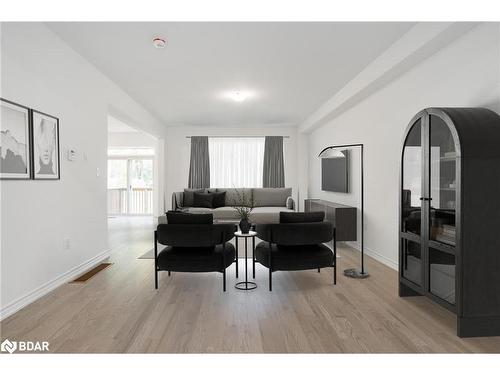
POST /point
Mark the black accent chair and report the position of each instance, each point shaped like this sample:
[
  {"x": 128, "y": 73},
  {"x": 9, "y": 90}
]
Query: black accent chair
[
  {"x": 194, "y": 248},
  {"x": 295, "y": 247}
]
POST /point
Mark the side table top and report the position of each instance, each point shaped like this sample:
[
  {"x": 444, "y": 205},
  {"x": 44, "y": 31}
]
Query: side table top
[{"x": 249, "y": 234}]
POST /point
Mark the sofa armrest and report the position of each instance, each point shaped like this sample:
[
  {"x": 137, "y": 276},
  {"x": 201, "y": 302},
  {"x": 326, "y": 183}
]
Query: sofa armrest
[
  {"x": 177, "y": 200},
  {"x": 290, "y": 203}
]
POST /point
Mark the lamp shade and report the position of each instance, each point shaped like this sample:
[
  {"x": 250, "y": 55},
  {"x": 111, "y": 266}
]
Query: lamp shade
[{"x": 332, "y": 153}]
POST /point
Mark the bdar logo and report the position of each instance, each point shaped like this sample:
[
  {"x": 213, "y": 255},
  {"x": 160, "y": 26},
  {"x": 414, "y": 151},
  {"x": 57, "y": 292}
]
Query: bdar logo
[{"x": 8, "y": 346}]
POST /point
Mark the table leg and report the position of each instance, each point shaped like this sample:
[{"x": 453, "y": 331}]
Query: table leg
[
  {"x": 246, "y": 285},
  {"x": 237, "y": 255},
  {"x": 253, "y": 256},
  {"x": 246, "y": 263}
]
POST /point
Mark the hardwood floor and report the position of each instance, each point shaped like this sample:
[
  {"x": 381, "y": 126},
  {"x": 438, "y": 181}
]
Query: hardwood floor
[{"x": 119, "y": 310}]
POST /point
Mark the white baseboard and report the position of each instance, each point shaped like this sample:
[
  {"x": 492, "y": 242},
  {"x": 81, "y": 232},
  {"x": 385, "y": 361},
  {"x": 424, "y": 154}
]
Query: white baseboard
[
  {"x": 376, "y": 255},
  {"x": 49, "y": 286}
]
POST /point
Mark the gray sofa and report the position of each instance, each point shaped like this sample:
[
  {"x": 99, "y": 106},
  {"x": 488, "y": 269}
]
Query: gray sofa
[{"x": 268, "y": 202}]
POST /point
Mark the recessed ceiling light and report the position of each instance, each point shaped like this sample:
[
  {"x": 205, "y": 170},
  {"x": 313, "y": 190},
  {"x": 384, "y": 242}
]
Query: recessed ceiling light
[
  {"x": 159, "y": 42},
  {"x": 239, "y": 96}
]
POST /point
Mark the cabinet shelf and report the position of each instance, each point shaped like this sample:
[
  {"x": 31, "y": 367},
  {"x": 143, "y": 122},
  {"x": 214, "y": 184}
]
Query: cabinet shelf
[
  {"x": 440, "y": 246},
  {"x": 447, "y": 158}
]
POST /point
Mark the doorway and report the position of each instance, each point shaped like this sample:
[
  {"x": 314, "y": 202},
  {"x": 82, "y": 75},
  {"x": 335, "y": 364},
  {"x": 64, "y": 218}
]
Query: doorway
[{"x": 130, "y": 182}]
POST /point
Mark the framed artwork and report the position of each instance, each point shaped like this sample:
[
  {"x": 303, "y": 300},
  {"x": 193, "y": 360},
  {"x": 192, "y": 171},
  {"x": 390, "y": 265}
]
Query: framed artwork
[
  {"x": 15, "y": 147},
  {"x": 45, "y": 129}
]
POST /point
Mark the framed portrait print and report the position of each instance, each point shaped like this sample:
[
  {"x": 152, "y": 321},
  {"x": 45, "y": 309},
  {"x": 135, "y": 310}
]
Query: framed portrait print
[
  {"x": 15, "y": 147},
  {"x": 45, "y": 129}
]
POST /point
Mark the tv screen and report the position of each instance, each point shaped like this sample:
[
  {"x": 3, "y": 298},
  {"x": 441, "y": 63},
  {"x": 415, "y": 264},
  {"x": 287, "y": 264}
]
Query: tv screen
[{"x": 334, "y": 173}]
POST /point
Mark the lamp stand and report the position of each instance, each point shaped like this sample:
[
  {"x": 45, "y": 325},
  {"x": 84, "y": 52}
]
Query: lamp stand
[{"x": 354, "y": 272}]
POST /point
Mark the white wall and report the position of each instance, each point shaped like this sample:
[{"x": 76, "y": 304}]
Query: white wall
[
  {"x": 177, "y": 152},
  {"x": 465, "y": 73},
  {"x": 42, "y": 72},
  {"x": 141, "y": 139}
]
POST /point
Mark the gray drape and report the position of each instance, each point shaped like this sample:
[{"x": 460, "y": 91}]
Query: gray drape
[
  {"x": 274, "y": 166},
  {"x": 199, "y": 166}
]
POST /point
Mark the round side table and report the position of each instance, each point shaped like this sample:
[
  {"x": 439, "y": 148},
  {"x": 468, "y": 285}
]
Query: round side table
[{"x": 246, "y": 285}]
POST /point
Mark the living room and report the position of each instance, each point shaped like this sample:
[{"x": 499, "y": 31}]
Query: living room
[{"x": 250, "y": 187}]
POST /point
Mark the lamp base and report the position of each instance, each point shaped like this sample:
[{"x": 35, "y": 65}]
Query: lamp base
[{"x": 356, "y": 274}]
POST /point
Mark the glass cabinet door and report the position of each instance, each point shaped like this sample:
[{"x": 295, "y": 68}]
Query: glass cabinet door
[
  {"x": 411, "y": 205},
  {"x": 443, "y": 183},
  {"x": 443, "y": 159},
  {"x": 412, "y": 181}
]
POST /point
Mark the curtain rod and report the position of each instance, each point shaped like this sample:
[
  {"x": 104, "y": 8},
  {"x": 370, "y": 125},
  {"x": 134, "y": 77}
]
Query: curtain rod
[{"x": 235, "y": 136}]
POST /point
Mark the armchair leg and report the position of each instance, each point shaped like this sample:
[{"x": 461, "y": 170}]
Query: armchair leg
[
  {"x": 335, "y": 269},
  {"x": 168, "y": 273},
  {"x": 270, "y": 266},
  {"x": 224, "y": 280},
  {"x": 156, "y": 259},
  {"x": 270, "y": 280},
  {"x": 319, "y": 270}
]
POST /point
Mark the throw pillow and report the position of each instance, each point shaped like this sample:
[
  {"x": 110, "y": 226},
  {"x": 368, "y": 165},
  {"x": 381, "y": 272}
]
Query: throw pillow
[
  {"x": 302, "y": 217},
  {"x": 203, "y": 200},
  {"x": 189, "y": 196},
  {"x": 219, "y": 199},
  {"x": 175, "y": 217}
]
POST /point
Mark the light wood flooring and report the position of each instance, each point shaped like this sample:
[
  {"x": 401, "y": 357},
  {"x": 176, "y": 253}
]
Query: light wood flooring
[{"x": 120, "y": 311}]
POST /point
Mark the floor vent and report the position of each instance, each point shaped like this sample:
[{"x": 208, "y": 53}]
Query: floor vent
[{"x": 88, "y": 275}]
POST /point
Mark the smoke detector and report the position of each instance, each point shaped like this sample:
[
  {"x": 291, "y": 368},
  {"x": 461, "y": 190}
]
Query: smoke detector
[{"x": 159, "y": 42}]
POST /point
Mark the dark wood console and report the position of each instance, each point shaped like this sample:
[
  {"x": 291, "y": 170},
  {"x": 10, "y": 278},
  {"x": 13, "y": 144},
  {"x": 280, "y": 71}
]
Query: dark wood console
[{"x": 343, "y": 217}]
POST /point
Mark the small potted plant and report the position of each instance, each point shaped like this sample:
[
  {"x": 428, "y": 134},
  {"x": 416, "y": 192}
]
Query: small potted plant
[{"x": 244, "y": 205}]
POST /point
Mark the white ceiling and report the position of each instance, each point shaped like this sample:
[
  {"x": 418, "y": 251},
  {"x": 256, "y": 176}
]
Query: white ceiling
[{"x": 292, "y": 68}]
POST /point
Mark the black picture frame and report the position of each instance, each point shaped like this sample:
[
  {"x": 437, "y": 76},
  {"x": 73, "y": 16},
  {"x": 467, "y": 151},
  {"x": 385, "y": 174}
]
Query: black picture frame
[
  {"x": 57, "y": 153},
  {"x": 29, "y": 144}
]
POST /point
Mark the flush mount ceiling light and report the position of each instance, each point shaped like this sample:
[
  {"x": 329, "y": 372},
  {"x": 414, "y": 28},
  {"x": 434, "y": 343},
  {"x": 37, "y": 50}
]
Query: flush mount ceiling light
[
  {"x": 159, "y": 42},
  {"x": 238, "y": 96}
]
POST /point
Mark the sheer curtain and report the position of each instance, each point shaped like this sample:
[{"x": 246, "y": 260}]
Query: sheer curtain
[{"x": 236, "y": 162}]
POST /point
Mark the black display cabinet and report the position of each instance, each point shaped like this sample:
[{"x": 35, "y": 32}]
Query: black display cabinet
[{"x": 449, "y": 232}]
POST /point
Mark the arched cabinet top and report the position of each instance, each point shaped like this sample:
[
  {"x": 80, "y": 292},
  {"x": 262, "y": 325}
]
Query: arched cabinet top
[{"x": 476, "y": 131}]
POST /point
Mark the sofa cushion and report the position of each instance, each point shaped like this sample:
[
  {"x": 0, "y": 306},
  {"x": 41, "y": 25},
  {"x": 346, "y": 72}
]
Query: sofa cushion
[
  {"x": 225, "y": 213},
  {"x": 294, "y": 258},
  {"x": 198, "y": 210},
  {"x": 197, "y": 259},
  {"x": 219, "y": 199},
  {"x": 271, "y": 197},
  {"x": 302, "y": 217},
  {"x": 266, "y": 215},
  {"x": 189, "y": 196},
  {"x": 174, "y": 217},
  {"x": 203, "y": 200},
  {"x": 232, "y": 198}
]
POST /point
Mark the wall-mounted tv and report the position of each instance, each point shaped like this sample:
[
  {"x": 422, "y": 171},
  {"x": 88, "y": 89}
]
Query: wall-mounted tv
[{"x": 335, "y": 173}]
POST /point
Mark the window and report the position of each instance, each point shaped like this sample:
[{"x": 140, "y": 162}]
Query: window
[
  {"x": 236, "y": 162},
  {"x": 131, "y": 151}
]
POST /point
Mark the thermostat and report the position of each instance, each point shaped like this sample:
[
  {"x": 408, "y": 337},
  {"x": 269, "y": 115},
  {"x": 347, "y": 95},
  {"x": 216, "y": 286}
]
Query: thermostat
[{"x": 71, "y": 155}]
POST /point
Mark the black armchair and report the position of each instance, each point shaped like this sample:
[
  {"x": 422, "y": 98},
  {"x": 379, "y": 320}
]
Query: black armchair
[
  {"x": 296, "y": 246},
  {"x": 194, "y": 248}
]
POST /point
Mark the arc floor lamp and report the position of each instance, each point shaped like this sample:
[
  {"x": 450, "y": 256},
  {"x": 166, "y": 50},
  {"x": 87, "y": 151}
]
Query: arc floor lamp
[{"x": 336, "y": 152}]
